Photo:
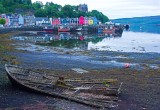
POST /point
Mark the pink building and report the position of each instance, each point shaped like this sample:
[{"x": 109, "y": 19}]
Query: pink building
[
  {"x": 81, "y": 20},
  {"x": 86, "y": 20}
]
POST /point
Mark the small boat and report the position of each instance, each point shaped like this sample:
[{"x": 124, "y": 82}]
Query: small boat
[
  {"x": 93, "y": 92},
  {"x": 48, "y": 30},
  {"x": 109, "y": 31},
  {"x": 63, "y": 29},
  {"x": 79, "y": 29}
]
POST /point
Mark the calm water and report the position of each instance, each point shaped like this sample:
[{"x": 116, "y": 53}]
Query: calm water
[
  {"x": 130, "y": 42},
  {"x": 127, "y": 42}
]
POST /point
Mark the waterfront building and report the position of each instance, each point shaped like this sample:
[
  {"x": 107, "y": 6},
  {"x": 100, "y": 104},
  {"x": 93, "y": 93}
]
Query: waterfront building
[
  {"x": 63, "y": 21},
  {"x": 13, "y": 20},
  {"x": 86, "y": 21},
  {"x": 81, "y": 20},
  {"x": 90, "y": 20},
  {"x": 56, "y": 21},
  {"x": 42, "y": 21},
  {"x": 74, "y": 21},
  {"x": 29, "y": 20},
  {"x": 20, "y": 20},
  {"x": 95, "y": 21}
]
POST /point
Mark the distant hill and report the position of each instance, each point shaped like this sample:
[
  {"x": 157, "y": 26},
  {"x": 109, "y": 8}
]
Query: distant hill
[{"x": 142, "y": 24}]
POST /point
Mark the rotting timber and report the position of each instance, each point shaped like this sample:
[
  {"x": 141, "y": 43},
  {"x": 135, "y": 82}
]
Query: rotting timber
[{"x": 100, "y": 93}]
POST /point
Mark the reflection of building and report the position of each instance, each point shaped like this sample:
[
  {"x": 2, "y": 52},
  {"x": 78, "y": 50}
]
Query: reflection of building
[
  {"x": 67, "y": 40},
  {"x": 83, "y": 7}
]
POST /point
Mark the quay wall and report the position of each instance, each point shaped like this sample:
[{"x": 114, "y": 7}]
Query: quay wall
[
  {"x": 7, "y": 30},
  {"x": 89, "y": 29}
]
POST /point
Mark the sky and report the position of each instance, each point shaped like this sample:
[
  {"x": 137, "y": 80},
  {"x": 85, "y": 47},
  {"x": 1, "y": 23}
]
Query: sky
[{"x": 117, "y": 8}]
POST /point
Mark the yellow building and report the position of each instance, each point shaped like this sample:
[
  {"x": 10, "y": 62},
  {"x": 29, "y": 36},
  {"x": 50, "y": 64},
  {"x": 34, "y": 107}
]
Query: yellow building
[{"x": 90, "y": 21}]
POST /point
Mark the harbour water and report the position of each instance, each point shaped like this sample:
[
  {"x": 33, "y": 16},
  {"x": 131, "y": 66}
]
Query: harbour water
[
  {"x": 139, "y": 42},
  {"x": 91, "y": 51}
]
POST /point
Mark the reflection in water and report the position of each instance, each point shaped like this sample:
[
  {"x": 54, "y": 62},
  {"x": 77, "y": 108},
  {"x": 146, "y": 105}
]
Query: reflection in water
[
  {"x": 79, "y": 40},
  {"x": 129, "y": 42}
]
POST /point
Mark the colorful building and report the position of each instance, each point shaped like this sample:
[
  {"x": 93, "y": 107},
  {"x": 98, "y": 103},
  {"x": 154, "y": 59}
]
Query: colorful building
[
  {"x": 13, "y": 20},
  {"x": 95, "y": 21},
  {"x": 90, "y": 20},
  {"x": 86, "y": 20},
  {"x": 42, "y": 21},
  {"x": 56, "y": 21},
  {"x": 29, "y": 20},
  {"x": 21, "y": 20},
  {"x": 81, "y": 20},
  {"x": 74, "y": 21}
]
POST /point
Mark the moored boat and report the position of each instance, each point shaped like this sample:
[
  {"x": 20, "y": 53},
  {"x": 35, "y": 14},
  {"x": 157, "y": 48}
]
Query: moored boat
[
  {"x": 109, "y": 31},
  {"x": 63, "y": 29},
  {"x": 48, "y": 30},
  {"x": 94, "y": 92},
  {"x": 79, "y": 29}
]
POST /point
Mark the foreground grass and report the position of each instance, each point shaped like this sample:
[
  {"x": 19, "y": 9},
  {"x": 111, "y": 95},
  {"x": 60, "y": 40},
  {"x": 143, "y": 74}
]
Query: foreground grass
[{"x": 5, "y": 47}]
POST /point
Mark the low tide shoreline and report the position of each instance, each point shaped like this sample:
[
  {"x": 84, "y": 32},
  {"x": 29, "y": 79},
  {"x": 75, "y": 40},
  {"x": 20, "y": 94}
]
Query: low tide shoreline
[{"x": 140, "y": 89}]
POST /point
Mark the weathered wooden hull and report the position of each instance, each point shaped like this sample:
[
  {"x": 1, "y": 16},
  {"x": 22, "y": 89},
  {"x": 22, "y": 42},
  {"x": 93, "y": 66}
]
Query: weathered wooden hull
[{"x": 24, "y": 80}]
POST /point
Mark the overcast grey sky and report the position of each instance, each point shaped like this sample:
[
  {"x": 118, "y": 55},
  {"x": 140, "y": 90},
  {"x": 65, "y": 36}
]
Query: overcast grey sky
[{"x": 117, "y": 8}]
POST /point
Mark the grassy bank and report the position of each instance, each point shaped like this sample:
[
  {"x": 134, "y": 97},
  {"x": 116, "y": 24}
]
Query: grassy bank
[{"x": 5, "y": 47}]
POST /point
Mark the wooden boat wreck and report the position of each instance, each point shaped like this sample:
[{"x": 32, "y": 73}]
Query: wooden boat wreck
[{"x": 94, "y": 92}]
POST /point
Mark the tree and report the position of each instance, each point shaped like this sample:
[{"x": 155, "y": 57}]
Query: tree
[
  {"x": 50, "y": 9},
  {"x": 2, "y": 9},
  {"x": 7, "y": 3},
  {"x": 37, "y": 5},
  {"x": 53, "y": 10},
  {"x": 2, "y": 21},
  {"x": 40, "y": 13},
  {"x": 99, "y": 15},
  {"x": 68, "y": 11},
  {"x": 28, "y": 2}
]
